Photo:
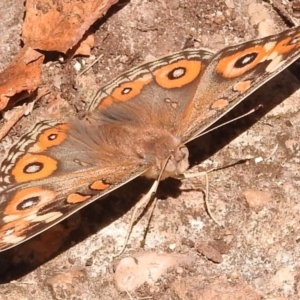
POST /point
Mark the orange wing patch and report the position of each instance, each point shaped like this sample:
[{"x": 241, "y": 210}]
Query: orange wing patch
[
  {"x": 126, "y": 91},
  {"x": 77, "y": 198},
  {"x": 50, "y": 137},
  {"x": 235, "y": 65},
  {"x": 288, "y": 44},
  {"x": 106, "y": 102},
  {"x": 33, "y": 166},
  {"x": 242, "y": 86},
  {"x": 220, "y": 104},
  {"x": 27, "y": 202},
  {"x": 99, "y": 185},
  {"x": 14, "y": 232},
  {"x": 22, "y": 212},
  {"x": 178, "y": 74}
]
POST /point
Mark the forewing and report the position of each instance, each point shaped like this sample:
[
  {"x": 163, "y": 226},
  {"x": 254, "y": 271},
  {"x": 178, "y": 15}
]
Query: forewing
[
  {"x": 236, "y": 72},
  {"x": 55, "y": 170},
  {"x": 158, "y": 92}
]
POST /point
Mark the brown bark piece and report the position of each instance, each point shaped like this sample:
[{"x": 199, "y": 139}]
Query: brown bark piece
[
  {"x": 60, "y": 25},
  {"x": 21, "y": 78}
]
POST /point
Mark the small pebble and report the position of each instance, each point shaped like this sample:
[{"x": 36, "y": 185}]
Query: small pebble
[
  {"x": 230, "y": 3},
  {"x": 210, "y": 252},
  {"x": 256, "y": 198},
  {"x": 77, "y": 66},
  {"x": 132, "y": 272}
]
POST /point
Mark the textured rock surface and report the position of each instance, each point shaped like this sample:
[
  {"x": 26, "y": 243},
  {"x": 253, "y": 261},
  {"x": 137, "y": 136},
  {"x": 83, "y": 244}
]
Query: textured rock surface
[{"x": 75, "y": 259}]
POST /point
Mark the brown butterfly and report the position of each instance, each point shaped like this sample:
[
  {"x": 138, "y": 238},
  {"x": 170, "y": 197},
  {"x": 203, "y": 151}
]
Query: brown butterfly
[{"x": 139, "y": 125}]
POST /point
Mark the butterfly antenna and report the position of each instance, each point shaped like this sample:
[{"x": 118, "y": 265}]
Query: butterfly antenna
[
  {"x": 141, "y": 205},
  {"x": 230, "y": 121}
]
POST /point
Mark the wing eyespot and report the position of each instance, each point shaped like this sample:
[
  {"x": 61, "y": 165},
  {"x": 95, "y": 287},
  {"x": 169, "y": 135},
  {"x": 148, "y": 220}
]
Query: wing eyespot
[{"x": 32, "y": 167}]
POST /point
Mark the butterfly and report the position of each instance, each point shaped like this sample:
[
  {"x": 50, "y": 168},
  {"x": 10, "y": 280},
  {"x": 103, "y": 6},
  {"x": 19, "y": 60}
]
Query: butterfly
[{"x": 137, "y": 125}]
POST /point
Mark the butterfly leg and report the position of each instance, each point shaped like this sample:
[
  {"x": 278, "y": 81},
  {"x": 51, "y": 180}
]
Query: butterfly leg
[
  {"x": 139, "y": 208},
  {"x": 206, "y": 191}
]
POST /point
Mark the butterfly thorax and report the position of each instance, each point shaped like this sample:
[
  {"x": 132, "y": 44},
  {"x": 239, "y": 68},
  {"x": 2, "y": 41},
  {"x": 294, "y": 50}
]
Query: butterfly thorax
[
  {"x": 152, "y": 148},
  {"x": 174, "y": 164}
]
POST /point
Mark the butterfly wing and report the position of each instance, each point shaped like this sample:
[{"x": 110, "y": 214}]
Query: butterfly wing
[
  {"x": 160, "y": 90},
  {"x": 58, "y": 168},
  {"x": 55, "y": 170},
  {"x": 236, "y": 72}
]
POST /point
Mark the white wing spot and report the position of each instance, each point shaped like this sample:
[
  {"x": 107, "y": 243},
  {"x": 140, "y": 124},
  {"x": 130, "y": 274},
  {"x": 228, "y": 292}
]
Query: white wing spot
[
  {"x": 275, "y": 64},
  {"x": 12, "y": 239},
  {"x": 49, "y": 217},
  {"x": 269, "y": 46}
]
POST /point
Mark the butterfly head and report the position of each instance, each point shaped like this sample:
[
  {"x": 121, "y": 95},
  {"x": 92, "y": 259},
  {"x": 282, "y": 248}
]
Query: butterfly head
[{"x": 170, "y": 164}]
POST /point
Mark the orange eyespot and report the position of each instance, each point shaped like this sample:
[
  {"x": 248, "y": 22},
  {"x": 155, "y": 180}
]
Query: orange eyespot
[
  {"x": 50, "y": 137},
  {"x": 33, "y": 166},
  {"x": 27, "y": 201},
  {"x": 127, "y": 90},
  {"x": 235, "y": 65},
  {"x": 178, "y": 74}
]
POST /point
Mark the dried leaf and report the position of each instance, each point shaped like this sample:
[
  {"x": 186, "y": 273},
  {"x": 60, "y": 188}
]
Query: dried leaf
[
  {"x": 21, "y": 78},
  {"x": 60, "y": 25},
  {"x": 86, "y": 45}
]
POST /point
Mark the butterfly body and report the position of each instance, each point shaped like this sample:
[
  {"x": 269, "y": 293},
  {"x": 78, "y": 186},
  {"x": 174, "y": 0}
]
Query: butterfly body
[{"x": 137, "y": 125}]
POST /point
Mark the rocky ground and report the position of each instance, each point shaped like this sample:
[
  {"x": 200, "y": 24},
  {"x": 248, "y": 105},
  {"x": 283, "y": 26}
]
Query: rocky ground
[{"x": 255, "y": 254}]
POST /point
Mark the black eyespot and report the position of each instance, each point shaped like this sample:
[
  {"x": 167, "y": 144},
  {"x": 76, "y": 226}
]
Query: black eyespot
[
  {"x": 28, "y": 203},
  {"x": 245, "y": 60},
  {"x": 177, "y": 73},
  {"x": 52, "y": 136},
  {"x": 34, "y": 167},
  {"x": 126, "y": 91}
]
